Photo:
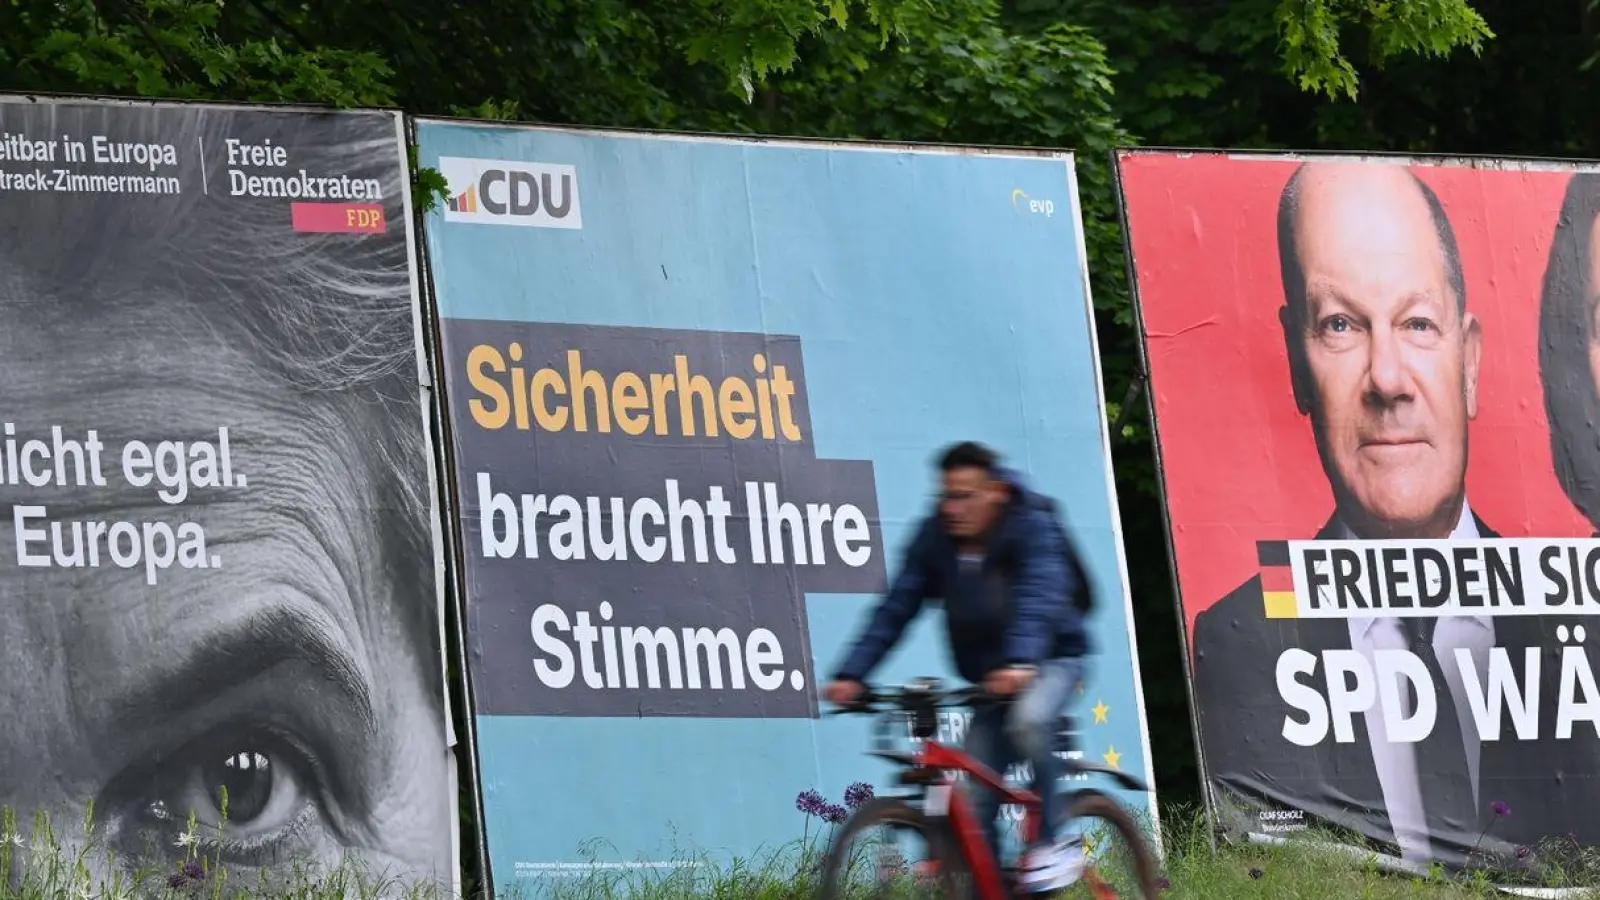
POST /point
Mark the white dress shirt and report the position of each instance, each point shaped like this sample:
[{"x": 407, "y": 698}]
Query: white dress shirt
[{"x": 1396, "y": 762}]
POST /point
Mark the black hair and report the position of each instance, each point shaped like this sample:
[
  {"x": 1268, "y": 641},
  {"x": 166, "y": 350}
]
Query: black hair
[
  {"x": 968, "y": 454},
  {"x": 1566, "y": 330},
  {"x": 1294, "y": 276}
]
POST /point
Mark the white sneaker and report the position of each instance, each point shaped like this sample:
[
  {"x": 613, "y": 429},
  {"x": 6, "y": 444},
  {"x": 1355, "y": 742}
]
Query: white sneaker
[{"x": 1045, "y": 870}]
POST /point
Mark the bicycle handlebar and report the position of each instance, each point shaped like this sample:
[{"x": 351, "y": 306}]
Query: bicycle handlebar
[
  {"x": 923, "y": 694},
  {"x": 921, "y": 699},
  {"x": 918, "y": 701}
]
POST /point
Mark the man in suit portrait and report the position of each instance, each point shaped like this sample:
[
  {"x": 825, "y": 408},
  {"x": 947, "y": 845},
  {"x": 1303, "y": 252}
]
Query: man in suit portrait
[{"x": 1383, "y": 358}]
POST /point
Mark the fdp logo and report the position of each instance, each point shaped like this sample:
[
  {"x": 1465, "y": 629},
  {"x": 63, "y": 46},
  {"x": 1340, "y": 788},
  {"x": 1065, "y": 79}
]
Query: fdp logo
[
  {"x": 508, "y": 192},
  {"x": 1021, "y": 202}
]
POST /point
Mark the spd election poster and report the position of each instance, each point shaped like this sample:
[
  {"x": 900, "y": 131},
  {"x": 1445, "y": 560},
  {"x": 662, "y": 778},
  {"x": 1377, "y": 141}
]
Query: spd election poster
[
  {"x": 696, "y": 388},
  {"x": 1374, "y": 383}
]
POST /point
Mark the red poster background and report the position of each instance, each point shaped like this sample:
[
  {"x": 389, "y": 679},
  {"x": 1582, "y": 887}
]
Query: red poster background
[{"x": 1239, "y": 463}]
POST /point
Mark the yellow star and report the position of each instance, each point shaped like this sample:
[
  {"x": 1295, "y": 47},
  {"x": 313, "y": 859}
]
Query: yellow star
[
  {"x": 1113, "y": 758},
  {"x": 1100, "y": 709}
]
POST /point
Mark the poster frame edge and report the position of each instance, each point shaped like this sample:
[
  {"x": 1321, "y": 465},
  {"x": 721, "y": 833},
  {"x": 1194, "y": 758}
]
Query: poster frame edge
[
  {"x": 427, "y": 387},
  {"x": 1114, "y": 508},
  {"x": 445, "y": 483},
  {"x": 1202, "y": 767},
  {"x": 930, "y": 148},
  {"x": 65, "y": 97},
  {"x": 1486, "y": 162}
]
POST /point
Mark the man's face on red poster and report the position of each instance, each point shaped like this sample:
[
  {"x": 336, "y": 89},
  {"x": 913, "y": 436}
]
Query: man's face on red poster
[{"x": 1389, "y": 362}]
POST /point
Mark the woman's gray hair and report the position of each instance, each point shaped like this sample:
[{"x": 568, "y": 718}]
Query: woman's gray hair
[{"x": 329, "y": 316}]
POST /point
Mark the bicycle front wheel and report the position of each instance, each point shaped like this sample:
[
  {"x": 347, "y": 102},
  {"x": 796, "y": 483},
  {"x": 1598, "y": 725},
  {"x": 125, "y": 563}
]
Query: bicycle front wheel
[
  {"x": 887, "y": 848},
  {"x": 1120, "y": 861}
]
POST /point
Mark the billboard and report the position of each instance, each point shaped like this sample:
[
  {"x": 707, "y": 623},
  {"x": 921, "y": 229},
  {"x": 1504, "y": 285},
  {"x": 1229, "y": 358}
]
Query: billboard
[
  {"x": 1374, "y": 389},
  {"x": 221, "y": 590},
  {"x": 695, "y": 387}
]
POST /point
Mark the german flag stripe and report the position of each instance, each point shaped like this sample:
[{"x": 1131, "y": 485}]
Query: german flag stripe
[
  {"x": 1277, "y": 580},
  {"x": 1272, "y": 553}
]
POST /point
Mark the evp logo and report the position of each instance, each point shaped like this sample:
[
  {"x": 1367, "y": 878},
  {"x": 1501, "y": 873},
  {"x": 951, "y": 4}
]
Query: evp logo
[
  {"x": 508, "y": 192},
  {"x": 1021, "y": 202}
]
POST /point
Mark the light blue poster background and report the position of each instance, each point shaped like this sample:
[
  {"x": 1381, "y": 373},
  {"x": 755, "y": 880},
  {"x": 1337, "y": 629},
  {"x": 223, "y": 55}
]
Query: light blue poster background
[{"x": 937, "y": 295}]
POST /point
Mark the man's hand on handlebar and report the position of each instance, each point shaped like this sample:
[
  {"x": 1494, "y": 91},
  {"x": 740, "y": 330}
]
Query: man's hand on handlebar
[
  {"x": 843, "y": 692},
  {"x": 1008, "y": 681}
]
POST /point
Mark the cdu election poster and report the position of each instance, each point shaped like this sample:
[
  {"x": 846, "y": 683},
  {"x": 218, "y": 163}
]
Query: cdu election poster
[
  {"x": 221, "y": 616},
  {"x": 696, "y": 389},
  {"x": 1376, "y": 388}
]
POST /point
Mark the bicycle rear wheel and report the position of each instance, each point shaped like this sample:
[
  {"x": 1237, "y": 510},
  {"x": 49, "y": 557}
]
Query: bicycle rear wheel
[
  {"x": 1120, "y": 862},
  {"x": 905, "y": 854}
]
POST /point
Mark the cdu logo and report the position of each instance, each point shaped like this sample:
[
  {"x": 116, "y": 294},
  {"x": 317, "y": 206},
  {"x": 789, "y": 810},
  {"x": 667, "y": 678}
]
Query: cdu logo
[{"x": 507, "y": 192}]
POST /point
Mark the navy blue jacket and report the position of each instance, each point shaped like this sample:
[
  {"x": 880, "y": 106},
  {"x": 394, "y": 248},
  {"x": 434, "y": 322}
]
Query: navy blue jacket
[{"x": 1018, "y": 610}]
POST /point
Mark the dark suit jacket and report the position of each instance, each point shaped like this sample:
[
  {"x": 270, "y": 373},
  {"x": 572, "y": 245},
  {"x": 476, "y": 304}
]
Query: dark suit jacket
[{"x": 1241, "y": 714}]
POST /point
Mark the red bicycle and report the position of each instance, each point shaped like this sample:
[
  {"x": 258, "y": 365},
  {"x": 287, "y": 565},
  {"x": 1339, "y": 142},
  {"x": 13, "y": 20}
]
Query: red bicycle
[{"x": 937, "y": 811}]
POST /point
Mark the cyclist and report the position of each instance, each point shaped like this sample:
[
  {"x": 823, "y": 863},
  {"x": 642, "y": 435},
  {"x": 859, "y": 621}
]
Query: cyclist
[{"x": 994, "y": 552}]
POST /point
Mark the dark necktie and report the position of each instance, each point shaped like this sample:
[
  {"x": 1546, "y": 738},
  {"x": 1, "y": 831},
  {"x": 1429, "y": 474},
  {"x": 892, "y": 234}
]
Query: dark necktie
[{"x": 1441, "y": 757}]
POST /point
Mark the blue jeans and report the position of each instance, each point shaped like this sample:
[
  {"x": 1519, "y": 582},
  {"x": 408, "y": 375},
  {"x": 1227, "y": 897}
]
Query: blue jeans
[{"x": 1024, "y": 730}]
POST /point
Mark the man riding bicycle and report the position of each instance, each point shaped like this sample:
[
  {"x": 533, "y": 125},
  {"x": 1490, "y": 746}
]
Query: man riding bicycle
[{"x": 995, "y": 554}]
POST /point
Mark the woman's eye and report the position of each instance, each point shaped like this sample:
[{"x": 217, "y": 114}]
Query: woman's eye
[
  {"x": 242, "y": 786},
  {"x": 249, "y": 799}
]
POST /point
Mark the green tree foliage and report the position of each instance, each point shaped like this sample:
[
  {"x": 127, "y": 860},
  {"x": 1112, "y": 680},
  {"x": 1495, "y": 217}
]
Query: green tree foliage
[
  {"x": 1311, "y": 30},
  {"x": 1416, "y": 75},
  {"x": 179, "y": 50},
  {"x": 607, "y": 62}
]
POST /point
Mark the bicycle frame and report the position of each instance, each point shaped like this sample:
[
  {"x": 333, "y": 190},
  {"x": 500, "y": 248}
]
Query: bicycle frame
[
  {"x": 931, "y": 767},
  {"x": 952, "y": 804}
]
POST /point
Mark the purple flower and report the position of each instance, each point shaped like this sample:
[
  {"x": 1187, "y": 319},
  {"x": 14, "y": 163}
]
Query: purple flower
[
  {"x": 810, "y": 803},
  {"x": 1500, "y": 809},
  {"x": 192, "y": 869},
  {"x": 857, "y": 794},
  {"x": 835, "y": 813},
  {"x": 1164, "y": 885},
  {"x": 1522, "y": 852},
  {"x": 1256, "y": 873},
  {"x": 176, "y": 880}
]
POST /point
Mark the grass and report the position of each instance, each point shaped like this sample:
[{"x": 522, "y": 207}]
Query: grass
[
  {"x": 34, "y": 865},
  {"x": 1296, "y": 870},
  {"x": 1302, "y": 869}
]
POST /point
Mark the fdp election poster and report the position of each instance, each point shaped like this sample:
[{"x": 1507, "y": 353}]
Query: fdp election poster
[
  {"x": 696, "y": 390},
  {"x": 1375, "y": 390},
  {"x": 221, "y": 611}
]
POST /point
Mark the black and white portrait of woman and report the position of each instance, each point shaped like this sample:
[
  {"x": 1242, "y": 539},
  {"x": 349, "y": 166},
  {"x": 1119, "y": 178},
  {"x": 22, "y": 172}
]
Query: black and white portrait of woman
[{"x": 187, "y": 630}]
